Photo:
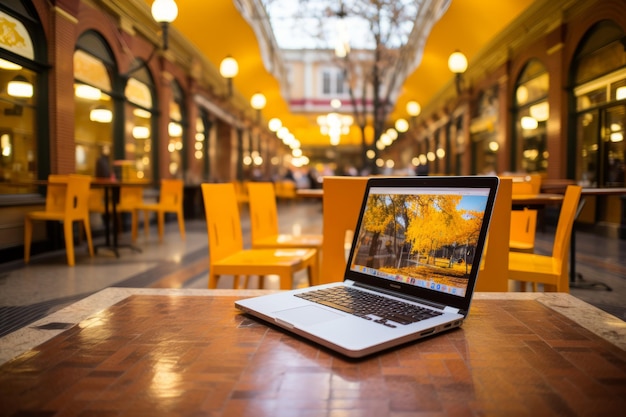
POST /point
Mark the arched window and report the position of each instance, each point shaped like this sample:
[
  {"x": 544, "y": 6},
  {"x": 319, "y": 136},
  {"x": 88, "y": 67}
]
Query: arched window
[
  {"x": 139, "y": 136},
  {"x": 22, "y": 93},
  {"x": 531, "y": 111},
  {"x": 94, "y": 107},
  {"x": 600, "y": 100}
]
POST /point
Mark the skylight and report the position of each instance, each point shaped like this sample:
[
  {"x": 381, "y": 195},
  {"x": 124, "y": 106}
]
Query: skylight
[{"x": 316, "y": 24}]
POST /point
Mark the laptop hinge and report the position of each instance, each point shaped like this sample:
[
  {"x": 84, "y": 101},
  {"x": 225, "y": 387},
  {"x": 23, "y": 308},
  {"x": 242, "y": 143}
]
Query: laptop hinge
[
  {"x": 404, "y": 296},
  {"x": 449, "y": 309}
]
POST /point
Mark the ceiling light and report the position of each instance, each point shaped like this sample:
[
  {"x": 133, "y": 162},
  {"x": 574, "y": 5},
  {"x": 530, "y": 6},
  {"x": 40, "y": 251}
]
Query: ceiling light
[
  {"x": 8, "y": 65},
  {"x": 101, "y": 115},
  {"x": 141, "y": 132},
  {"x": 20, "y": 87},
  {"x": 87, "y": 92},
  {"x": 258, "y": 101},
  {"x": 529, "y": 123},
  {"x": 402, "y": 125},
  {"x": 413, "y": 108},
  {"x": 229, "y": 68},
  {"x": 274, "y": 124},
  {"x": 457, "y": 62},
  {"x": 620, "y": 93}
]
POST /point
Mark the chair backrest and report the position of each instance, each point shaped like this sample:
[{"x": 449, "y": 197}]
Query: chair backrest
[
  {"x": 341, "y": 206},
  {"x": 222, "y": 220},
  {"x": 55, "y": 192},
  {"x": 565, "y": 224},
  {"x": 130, "y": 196},
  {"x": 96, "y": 200},
  {"x": 263, "y": 211},
  {"x": 77, "y": 196},
  {"x": 495, "y": 262},
  {"x": 171, "y": 193}
]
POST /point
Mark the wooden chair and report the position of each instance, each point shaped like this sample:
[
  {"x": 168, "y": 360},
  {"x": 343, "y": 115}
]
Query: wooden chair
[
  {"x": 341, "y": 206},
  {"x": 67, "y": 201},
  {"x": 549, "y": 270},
  {"x": 170, "y": 201},
  {"x": 492, "y": 275},
  {"x": 264, "y": 222},
  {"x": 227, "y": 255}
]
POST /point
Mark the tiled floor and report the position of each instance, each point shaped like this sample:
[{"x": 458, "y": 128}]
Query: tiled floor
[{"x": 28, "y": 293}]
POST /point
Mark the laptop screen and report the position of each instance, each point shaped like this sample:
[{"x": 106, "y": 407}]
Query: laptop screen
[{"x": 421, "y": 236}]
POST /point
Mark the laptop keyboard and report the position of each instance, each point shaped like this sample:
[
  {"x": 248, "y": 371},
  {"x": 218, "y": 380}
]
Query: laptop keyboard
[{"x": 369, "y": 306}]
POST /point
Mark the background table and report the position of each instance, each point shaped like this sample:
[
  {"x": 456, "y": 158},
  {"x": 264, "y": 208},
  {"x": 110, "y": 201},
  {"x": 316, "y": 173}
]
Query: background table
[{"x": 126, "y": 352}]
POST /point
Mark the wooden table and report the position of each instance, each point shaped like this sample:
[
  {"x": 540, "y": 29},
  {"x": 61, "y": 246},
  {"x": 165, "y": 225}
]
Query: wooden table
[{"x": 129, "y": 352}]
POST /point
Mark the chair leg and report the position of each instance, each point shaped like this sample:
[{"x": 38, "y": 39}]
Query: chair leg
[
  {"x": 285, "y": 280},
  {"x": 134, "y": 224},
  {"x": 87, "y": 226},
  {"x": 146, "y": 223},
  {"x": 212, "y": 281},
  {"x": 28, "y": 236},
  {"x": 161, "y": 224},
  {"x": 68, "y": 228},
  {"x": 181, "y": 224}
]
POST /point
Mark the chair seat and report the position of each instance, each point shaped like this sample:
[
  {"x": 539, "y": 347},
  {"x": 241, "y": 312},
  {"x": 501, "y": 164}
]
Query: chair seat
[
  {"x": 47, "y": 215},
  {"x": 521, "y": 246},
  {"x": 256, "y": 259},
  {"x": 534, "y": 268},
  {"x": 282, "y": 262},
  {"x": 289, "y": 241}
]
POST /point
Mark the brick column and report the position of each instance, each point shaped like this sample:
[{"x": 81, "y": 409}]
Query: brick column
[{"x": 61, "y": 91}]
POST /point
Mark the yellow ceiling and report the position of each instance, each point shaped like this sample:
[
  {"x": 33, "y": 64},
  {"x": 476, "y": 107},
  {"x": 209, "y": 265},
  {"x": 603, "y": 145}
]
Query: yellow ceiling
[{"x": 216, "y": 28}]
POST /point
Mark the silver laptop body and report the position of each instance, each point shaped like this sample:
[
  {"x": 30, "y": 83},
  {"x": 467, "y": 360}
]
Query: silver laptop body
[{"x": 418, "y": 241}]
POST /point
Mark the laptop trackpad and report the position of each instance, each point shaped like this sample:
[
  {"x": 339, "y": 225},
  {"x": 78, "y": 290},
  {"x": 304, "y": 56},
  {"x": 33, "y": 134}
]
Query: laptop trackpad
[{"x": 306, "y": 316}]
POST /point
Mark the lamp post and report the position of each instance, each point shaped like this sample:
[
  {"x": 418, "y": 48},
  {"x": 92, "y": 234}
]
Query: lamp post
[
  {"x": 457, "y": 63},
  {"x": 164, "y": 12},
  {"x": 229, "y": 68}
]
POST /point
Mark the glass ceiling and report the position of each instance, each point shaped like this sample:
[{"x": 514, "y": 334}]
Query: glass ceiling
[{"x": 316, "y": 24}]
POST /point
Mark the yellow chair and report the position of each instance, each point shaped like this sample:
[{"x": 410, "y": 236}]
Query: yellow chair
[
  {"x": 524, "y": 222},
  {"x": 170, "y": 201},
  {"x": 549, "y": 270},
  {"x": 227, "y": 255},
  {"x": 67, "y": 201},
  {"x": 96, "y": 200},
  {"x": 492, "y": 275},
  {"x": 264, "y": 222},
  {"x": 341, "y": 206},
  {"x": 131, "y": 197}
]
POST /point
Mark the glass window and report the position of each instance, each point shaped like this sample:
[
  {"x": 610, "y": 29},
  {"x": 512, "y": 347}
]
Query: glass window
[
  {"x": 17, "y": 128},
  {"x": 175, "y": 133},
  {"x": 18, "y": 111},
  {"x": 531, "y": 118},
  {"x": 93, "y": 121},
  {"x": 138, "y": 144},
  {"x": 600, "y": 97}
]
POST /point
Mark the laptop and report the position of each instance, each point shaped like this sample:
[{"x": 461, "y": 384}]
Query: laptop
[{"x": 410, "y": 273}]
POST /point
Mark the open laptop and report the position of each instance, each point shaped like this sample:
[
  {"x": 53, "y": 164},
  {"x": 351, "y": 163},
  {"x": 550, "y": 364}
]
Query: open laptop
[{"x": 413, "y": 265}]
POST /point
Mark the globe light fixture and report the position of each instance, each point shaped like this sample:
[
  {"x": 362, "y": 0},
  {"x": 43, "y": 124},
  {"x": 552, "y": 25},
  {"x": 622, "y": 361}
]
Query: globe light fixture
[
  {"x": 229, "y": 68},
  {"x": 164, "y": 12},
  {"x": 457, "y": 63}
]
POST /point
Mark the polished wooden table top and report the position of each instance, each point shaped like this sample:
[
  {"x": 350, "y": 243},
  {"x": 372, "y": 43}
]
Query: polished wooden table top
[{"x": 180, "y": 353}]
